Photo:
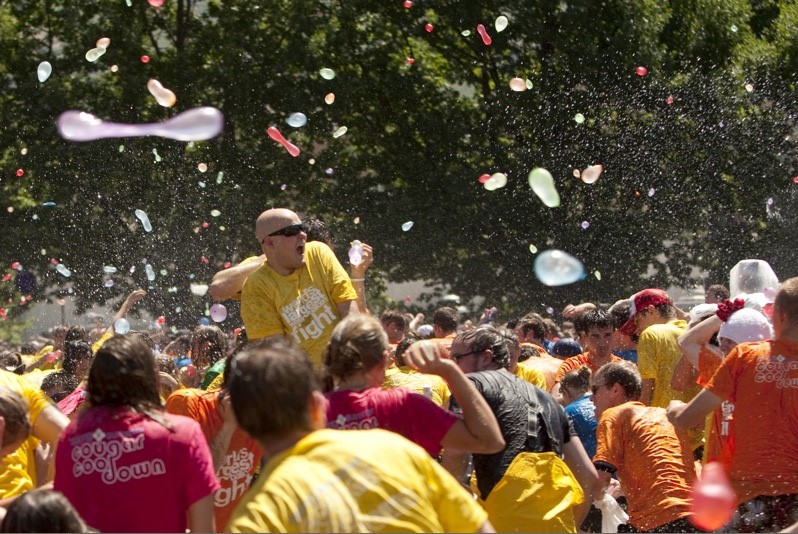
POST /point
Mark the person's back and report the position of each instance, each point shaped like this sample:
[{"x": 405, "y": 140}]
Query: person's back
[
  {"x": 657, "y": 355},
  {"x": 762, "y": 380},
  {"x": 334, "y": 481},
  {"x": 654, "y": 464}
]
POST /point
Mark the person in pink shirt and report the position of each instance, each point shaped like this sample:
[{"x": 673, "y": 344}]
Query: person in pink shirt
[
  {"x": 125, "y": 464},
  {"x": 356, "y": 360}
]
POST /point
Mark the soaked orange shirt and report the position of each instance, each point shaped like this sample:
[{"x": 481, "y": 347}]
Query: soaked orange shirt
[
  {"x": 761, "y": 379},
  {"x": 654, "y": 464},
  {"x": 580, "y": 360}
]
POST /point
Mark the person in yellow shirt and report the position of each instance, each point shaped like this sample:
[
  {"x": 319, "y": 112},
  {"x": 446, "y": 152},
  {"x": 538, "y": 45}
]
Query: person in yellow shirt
[
  {"x": 17, "y": 470},
  {"x": 530, "y": 374},
  {"x": 301, "y": 290},
  {"x": 322, "y": 480},
  {"x": 400, "y": 375}
]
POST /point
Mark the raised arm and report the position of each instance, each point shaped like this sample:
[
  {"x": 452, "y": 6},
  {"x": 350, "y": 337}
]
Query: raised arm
[
  {"x": 228, "y": 282},
  {"x": 359, "y": 277},
  {"x": 691, "y": 341},
  {"x": 479, "y": 430},
  {"x": 131, "y": 300}
]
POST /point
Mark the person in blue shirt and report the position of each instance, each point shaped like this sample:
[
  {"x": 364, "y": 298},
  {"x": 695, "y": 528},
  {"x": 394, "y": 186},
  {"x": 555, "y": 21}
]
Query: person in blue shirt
[{"x": 575, "y": 390}]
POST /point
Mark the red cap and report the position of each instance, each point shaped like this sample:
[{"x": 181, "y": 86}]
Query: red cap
[{"x": 640, "y": 301}]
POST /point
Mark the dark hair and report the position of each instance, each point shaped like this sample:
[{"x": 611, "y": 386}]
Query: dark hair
[
  {"x": 14, "y": 409},
  {"x": 552, "y": 328},
  {"x": 76, "y": 333},
  {"x": 667, "y": 311},
  {"x": 577, "y": 381},
  {"x": 59, "y": 385},
  {"x": 394, "y": 317},
  {"x": 445, "y": 318},
  {"x": 74, "y": 352},
  {"x": 528, "y": 351},
  {"x": 358, "y": 343},
  {"x": 42, "y": 510},
  {"x": 402, "y": 347},
  {"x": 509, "y": 338},
  {"x": 12, "y": 361},
  {"x": 621, "y": 311},
  {"x": 270, "y": 383},
  {"x": 166, "y": 365},
  {"x": 596, "y": 318},
  {"x": 624, "y": 373},
  {"x": 535, "y": 323},
  {"x": 318, "y": 231},
  {"x": 487, "y": 337},
  {"x": 124, "y": 374},
  {"x": 217, "y": 340},
  {"x": 719, "y": 291}
]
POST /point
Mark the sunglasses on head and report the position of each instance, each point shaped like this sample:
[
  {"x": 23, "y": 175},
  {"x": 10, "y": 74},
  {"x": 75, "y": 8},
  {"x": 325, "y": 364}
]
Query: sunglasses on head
[{"x": 290, "y": 231}]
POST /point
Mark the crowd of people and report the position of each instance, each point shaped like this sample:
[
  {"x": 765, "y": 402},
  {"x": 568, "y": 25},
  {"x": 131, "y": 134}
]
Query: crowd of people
[{"x": 319, "y": 416}]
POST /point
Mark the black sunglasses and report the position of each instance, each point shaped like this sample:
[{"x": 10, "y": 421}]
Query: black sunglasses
[
  {"x": 290, "y": 231},
  {"x": 458, "y": 357}
]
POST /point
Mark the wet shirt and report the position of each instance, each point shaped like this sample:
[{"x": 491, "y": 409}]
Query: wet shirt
[
  {"x": 582, "y": 413},
  {"x": 530, "y": 420}
]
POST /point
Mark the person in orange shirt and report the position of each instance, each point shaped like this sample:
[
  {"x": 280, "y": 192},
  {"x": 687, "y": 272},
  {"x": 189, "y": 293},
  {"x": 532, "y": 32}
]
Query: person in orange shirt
[
  {"x": 444, "y": 329},
  {"x": 600, "y": 337},
  {"x": 654, "y": 464},
  {"x": 531, "y": 330},
  {"x": 236, "y": 455},
  {"x": 762, "y": 381}
]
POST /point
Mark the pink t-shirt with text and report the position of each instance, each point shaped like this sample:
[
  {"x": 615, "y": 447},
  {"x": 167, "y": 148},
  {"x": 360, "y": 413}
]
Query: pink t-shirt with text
[
  {"x": 124, "y": 472},
  {"x": 399, "y": 410}
]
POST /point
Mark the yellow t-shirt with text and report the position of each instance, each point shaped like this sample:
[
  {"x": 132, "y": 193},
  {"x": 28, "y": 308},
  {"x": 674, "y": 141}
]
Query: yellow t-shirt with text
[
  {"x": 302, "y": 305},
  {"x": 17, "y": 471},
  {"x": 340, "y": 481}
]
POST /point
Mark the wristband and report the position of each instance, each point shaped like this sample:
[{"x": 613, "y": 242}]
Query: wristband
[{"x": 357, "y": 279}]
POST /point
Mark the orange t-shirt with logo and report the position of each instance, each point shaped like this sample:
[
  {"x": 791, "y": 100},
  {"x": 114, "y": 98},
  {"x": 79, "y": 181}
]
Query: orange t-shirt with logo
[
  {"x": 241, "y": 459},
  {"x": 761, "y": 379},
  {"x": 654, "y": 464},
  {"x": 580, "y": 360}
]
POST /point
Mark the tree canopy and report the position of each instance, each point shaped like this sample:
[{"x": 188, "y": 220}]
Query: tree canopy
[{"x": 697, "y": 147}]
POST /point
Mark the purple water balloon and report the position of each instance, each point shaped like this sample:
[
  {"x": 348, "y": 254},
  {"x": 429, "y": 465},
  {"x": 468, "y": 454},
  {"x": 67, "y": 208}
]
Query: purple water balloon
[
  {"x": 218, "y": 313},
  {"x": 195, "y": 124}
]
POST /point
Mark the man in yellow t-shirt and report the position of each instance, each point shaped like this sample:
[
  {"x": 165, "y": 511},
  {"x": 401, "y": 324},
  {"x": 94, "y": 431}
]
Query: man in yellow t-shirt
[
  {"x": 301, "y": 290},
  {"x": 321, "y": 480},
  {"x": 17, "y": 472}
]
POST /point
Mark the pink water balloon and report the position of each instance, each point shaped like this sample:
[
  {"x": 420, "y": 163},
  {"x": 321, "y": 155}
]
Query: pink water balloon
[
  {"x": 484, "y": 34},
  {"x": 155, "y": 3},
  {"x": 641, "y": 71},
  {"x": 218, "y": 313},
  {"x": 714, "y": 500},
  {"x": 275, "y": 134},
  {"x": 196, "y": 124}
]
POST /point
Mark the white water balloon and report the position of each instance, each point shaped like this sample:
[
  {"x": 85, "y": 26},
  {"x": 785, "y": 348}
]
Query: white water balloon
[
  {"x": 196, "y": 124},
  {"x": 558, "y": 268},
  {"x": 542, "y": 183},
  {"x": 44, "y": 70}
]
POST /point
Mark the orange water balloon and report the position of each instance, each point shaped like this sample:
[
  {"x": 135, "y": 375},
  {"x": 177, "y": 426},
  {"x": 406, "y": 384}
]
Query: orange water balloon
[{"x": 714, "y": 500}]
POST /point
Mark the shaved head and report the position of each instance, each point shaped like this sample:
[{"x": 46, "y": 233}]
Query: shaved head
[{"x": 273, "y": 220}]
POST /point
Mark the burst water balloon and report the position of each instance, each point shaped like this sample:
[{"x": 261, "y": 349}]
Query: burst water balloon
[
  {"x": 218, "y": 313},
  {"x": 484, "y": 34},
  {"x": 121, "y": 326},
  {"x": 145, "y": 220},
  {"x": 542, "y": 183},
  {"x": 714, "y": 501},
  {"x": 496, "y": 181},
  {"x": 501, "y": 23},
  {"x": 162, "y": 95},
  {"x": 296, "y": 120},
  {"x": 558, "y": 268},
  {"x": 275, "y": 134},
  {"x": 591, "y": 174},
  {"x": 43, "y": 71},
  {"x": 197, "y": 124}
]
